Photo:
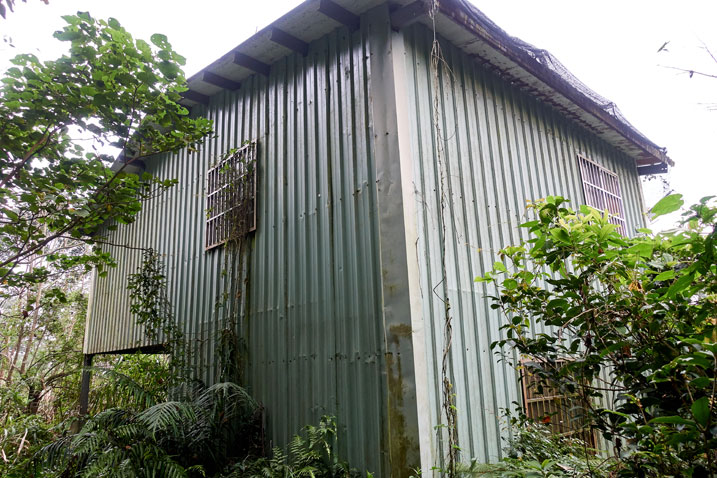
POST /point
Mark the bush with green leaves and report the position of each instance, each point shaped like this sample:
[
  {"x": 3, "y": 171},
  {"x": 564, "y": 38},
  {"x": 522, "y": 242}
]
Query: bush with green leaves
[
  {"x": 625, "y": 324},
  {"x": 214, "y": 431},
  {"x": 312, "y": 454},
  {"x": 119, "y": 95},
  {"x": 534, "y": 450},
  {"x": 197, "y": 436},
  {"x": 21, "y": 437}
]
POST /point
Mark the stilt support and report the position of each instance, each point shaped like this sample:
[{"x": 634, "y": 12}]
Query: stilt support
[{"x": 85, "y": 384}]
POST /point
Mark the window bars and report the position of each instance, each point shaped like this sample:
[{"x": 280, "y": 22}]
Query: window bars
[
  {"x": 563, "y": 413},
  {"x": 231, "y": 197},
  {"x": 602, "y": 191}
]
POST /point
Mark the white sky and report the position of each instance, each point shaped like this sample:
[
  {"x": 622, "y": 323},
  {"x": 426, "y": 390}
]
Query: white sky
[{"x": 611, "y": 45}]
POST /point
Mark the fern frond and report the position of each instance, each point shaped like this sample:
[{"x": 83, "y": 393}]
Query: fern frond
[
  {"x": 233, "y": 400},
  {"x": 109, "y": 418},
  {"x": 123, "y": 383},
  {"x": 167, "y": 417},
  {"x": 56, "y": 453}
]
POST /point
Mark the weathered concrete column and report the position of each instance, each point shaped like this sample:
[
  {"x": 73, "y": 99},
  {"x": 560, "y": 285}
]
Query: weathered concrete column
[{"x": 405, "y": 367}]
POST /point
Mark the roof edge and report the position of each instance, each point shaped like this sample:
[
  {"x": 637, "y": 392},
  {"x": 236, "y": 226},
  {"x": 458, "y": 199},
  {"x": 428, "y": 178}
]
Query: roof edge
[
  {"x": 471, "y": 19},
  {"x": 649, "y": 158}
]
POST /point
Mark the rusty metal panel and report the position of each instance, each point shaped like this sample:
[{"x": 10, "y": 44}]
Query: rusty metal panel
[
  {"x": 502, "y": 147},
  {"x": 313, "y": 331}
]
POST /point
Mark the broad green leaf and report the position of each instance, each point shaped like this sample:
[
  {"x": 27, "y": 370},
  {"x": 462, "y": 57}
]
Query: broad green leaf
[
  {"x": 667, "y": 275},
  {"x": 701, "y": 410},
  {"x": 558, "y": 304},
  {"x": 510, "y": 284},
  {"x": 667, "y": 205},
  {"x": 643, "y": 249},
  {"x": 673, "y": 420},
  {"x": 701, "y": 382},
  {"x": 560, "y": 234},
  {"x": 159, "y": 40},
  {"x": 484, "y": 278},
  {"x": 680, "y": 284}
]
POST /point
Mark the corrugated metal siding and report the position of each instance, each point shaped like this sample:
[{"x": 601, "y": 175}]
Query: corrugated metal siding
[
  {"x": 314, "y": 336},
  {"x": 502, "y": 148}
]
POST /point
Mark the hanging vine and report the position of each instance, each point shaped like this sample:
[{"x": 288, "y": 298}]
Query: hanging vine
[
  {"x": 447, "y": 394},
  {"x": 237, "y": 172},
  {"x": 152, "y": 310}
]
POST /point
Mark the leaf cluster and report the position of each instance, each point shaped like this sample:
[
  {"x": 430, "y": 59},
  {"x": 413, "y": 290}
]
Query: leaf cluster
[
  {"x": 626, "y": 324},
  {"x": 61, "y": 123},
  {"x": 196, "y": 436},
  {"x": 312, "y": 454}
]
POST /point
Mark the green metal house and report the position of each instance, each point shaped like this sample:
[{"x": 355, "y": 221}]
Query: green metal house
[{"x": 387, "y": 179}]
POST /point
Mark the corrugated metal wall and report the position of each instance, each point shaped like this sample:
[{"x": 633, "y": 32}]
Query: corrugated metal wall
[
  {"x": 315, "y": 344},
  {"x": 314, "y": 333},
  {"x": 502, "y": 148}
]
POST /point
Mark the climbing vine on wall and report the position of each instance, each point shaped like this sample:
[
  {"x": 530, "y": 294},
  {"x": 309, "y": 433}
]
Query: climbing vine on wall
[
  {"x": 447, "y": 394},
  {"x": 237, "y": 172},
  {"x": 152, "y": 310}
]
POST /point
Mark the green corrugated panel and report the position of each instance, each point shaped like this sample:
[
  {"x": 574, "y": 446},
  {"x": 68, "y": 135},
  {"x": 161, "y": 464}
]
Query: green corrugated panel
[
  {"x": 313, "y": 331},
  {"x": 315, "y": 324},
  {"x": 502, "y": 148},
  {"x": 314, "y": 341}
]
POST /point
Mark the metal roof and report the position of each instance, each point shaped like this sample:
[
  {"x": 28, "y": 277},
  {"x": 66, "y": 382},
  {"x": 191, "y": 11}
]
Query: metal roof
[{"x": 462, "y": 24}]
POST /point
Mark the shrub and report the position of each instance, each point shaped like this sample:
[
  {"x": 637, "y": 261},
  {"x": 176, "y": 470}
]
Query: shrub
[{"x": 629, "y": 328}]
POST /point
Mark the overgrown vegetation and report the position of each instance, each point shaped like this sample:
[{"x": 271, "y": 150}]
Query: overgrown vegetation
[
  {"x": 118, "y": 95},
  {"x": 147, "y": 416},
  {"x": 625, "y": 325},
  {"x": 197, "y": 435},
  {"x": 629, "y": 329}
]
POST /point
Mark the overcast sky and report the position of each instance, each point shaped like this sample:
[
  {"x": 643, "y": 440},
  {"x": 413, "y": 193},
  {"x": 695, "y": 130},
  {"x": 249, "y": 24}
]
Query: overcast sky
[{"x": 610, "y": 45}]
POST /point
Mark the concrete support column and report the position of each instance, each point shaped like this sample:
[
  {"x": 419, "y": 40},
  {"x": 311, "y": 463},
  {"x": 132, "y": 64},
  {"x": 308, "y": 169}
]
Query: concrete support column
[{"x": 408, "y": 427}]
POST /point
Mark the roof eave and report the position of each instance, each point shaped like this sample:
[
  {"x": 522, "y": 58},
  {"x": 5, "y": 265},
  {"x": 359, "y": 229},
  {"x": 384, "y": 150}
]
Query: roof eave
[
  {"x": 292, "y": 33},
  {"x": 649, "y": 155}
]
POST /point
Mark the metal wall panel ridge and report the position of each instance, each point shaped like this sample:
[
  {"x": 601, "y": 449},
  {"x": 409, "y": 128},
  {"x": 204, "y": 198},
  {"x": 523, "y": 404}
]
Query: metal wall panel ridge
[
  {"x": 313, "y": 336},
  {"x": 502, "y": 147},
  {"x": 315, "y": 345}
]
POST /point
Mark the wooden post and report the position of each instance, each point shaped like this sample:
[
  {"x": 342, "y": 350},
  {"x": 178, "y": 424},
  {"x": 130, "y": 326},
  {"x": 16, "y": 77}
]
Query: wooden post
[{"x": 85, "y": 384}]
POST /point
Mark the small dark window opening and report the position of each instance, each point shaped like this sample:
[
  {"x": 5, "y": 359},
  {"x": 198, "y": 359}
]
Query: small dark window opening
[
  {"x": 602, "y": 191},
  {"x": 563, "y": 413},
  {"x": 231, "y": 197}
]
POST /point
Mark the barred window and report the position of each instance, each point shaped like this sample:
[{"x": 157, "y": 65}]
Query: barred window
[
  {"x": 231, "y": 197},
  {"x": 602, "y": 191},
  {"x": 563, "y": 413}
]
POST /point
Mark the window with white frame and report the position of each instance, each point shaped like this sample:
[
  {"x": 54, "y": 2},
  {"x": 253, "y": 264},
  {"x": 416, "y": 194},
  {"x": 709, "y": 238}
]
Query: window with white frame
[
  {"x": 231, "y": 197},
  {"x": 602, "y": 191}
]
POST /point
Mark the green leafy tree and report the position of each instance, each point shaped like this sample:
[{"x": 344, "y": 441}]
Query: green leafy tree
[
  {"x": 626, "y": 325},
  {"x": 61, "y": 124},
  {"x": 73, "y": 136}
]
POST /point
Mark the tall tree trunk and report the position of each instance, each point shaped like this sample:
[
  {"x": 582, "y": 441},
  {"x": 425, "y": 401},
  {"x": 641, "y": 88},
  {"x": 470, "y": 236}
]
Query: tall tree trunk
[
  {"x": 4, "y": 355},
  {"x": 33, "y": 329},
  {"x": 18, "y": 344},
  {"x": 34, "y": 395},
  {"x": 38, "y": 344}
]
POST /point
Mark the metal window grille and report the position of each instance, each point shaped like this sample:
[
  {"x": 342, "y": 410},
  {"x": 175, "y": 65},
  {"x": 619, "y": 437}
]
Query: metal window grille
[
  {"x": 563, "y": 413},
  {"x": 602, "y": 191},
  {"x": 231, "y": 197}
]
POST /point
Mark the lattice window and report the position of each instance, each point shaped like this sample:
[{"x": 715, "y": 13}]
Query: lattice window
[
  {"x": 602, "y": 191},
  {"x": 231, "y": 197},
  {"x": 563, "y": 413}
]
